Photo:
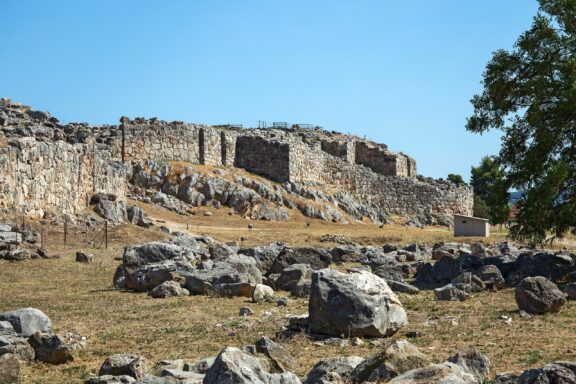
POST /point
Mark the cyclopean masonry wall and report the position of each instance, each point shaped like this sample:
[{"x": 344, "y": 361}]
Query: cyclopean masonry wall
[
  {"x": 48, "y": 166},
  {"x": 38, "y": 177}
]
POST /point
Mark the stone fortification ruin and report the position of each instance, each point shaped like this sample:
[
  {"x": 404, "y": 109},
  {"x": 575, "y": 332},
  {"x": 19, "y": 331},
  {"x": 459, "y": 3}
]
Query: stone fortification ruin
[{"x": 49, "y": 166}]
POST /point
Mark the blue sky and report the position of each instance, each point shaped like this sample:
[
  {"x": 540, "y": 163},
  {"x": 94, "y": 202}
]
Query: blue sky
[{"x": 397, "y": 72}]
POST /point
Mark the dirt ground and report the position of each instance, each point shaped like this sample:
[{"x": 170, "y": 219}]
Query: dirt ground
[{"x": 79, "y": 299}]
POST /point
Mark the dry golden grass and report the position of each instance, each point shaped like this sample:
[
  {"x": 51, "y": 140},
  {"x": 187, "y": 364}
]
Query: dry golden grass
[{"x": 79, "y": 298}]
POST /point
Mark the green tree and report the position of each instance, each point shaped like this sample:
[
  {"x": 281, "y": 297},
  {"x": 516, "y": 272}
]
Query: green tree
[
  {"x": 530, "y": 95},
  {"x": 480, "y": 208},
  {"x": 490, "y": 190},
  {"x": 456, "y": 179}
]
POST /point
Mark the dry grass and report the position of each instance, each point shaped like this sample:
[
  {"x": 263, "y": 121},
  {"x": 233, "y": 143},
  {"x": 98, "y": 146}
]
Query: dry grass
[{"x": 79, "y": 299}]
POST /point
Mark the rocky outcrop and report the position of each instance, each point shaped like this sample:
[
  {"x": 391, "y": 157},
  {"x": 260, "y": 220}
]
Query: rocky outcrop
[
  {"x": 539, "y": 295},
  {"x": 354, "y": 304}
]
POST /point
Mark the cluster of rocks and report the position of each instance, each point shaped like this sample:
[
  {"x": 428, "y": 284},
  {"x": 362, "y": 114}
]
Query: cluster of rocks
[
  {"x": 462, "y": 270},
  {"x": 25, "y": 336},
  {"x": 19, "y": 243},
  {"x": 109, "y": 207}
]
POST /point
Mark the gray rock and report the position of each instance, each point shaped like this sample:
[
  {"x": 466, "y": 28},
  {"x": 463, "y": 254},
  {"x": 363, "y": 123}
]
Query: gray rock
[
  {"x": 315, "y": 258},
  {"x": 82, "y": 257},
  {"x": 232, "y": 366},
  {"x": 123, "y": 364},
  {"x": 281, "y": 360},
  {"x": 137, "y": 217},
  {"x": 491, "y": 277},
  {"x": 109, "y": 207},
  {"x": 146, "y": 277},
  {"x": 246, "y": 311},
  {"x": 396, "y": 358},
  {"x": 27, "y": 321},
  {"x": 12, "y": 343},
  {"x": 473, "y": 362},
  {"x": 356, "y": 304},
  {"x": 204, "y": 365},
  {"x": 168, "y": 289},
  {"x": 538, "y": 295},
  {"x": 506, "y": 378},
  {"x": 9, "y": 369},
  {"x": 11, "y": 237},
  {"x": 262, "y": 292},
  {"x": 450, "y": 293},
  {"x": 448, "y": 268},
  {"x": 110, "y": 379},
  {"x": 445, "y": 373},
  {"x": 401, "y": 287},
  {"x": 342, "y": 366},
  {"x": 557, "y": 372},
  {"x": 571, "y": 291},
  {"x": 555, "y": 267},
  {"x": 50, "y": 349},
  {"x": 295, "y": 279},
  {"x": 238, "y": 276}
]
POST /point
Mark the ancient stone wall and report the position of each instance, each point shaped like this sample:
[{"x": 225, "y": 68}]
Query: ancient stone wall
[
  {"x": 382, "y": 161},
  {"x": 163, "y": 141},
  {"x": 37, "y": 176},
  {"x": 269, "y": 158}
]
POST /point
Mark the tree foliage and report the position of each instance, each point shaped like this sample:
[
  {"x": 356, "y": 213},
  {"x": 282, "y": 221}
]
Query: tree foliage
[
  {"x": 491, "y": 190},
  {"x": 530, "y": 94},
  {"x": 456, "y": 179},
  {"x": 480, "y": 208}
]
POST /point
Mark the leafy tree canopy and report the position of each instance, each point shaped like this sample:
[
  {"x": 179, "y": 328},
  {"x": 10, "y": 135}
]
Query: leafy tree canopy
[
  {"x": 456, "y": 179},
  {"x": 491, "y": 188},
  {"x": 530, "y": 95}
]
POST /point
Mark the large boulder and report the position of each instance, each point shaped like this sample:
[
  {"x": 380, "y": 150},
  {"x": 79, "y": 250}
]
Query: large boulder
[
  {"x": 264, "y": 255},
  {"x": 50, "y": 349},
  {"x": 232, "y": 366},
  {"x": 355, "y": 304},
  {"x": 109, "y": 207},
  {"x": 448, "y": 268},
  {"x": 238, "y": 276},
  {"x": 295, "y": 279},
  {"x": 27, "y": 321},
  {"x": 557, "y": 268},
  {"x": 539, "y": 295},
  {"x": 316, "y": 258},
  {"x": 146, "y": 277},
  {"x": 557, "y": 372},
  {"x": 13, "y": 343},
  {"x": 124, "y": 364},
  {"x": 460, "y": 288}
]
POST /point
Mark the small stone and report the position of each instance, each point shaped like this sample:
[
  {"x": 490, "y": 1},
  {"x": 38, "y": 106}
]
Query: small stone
[
  {"x": 123, "y": 364},
  {"x": 165, "y": 229},
  {"x": 207, "y": 213},
  {"x": 82, "y": 257},
  {"x": 283, "y": 302},
  {"x": 357, "y": 342},
  {"x": 246, "y": 311},
  {"x": 571, "y": 291},
  {"x": 262, "y": 292},
  {"x": 50, "y": 349},
  {"x": 413, "y": 334}
]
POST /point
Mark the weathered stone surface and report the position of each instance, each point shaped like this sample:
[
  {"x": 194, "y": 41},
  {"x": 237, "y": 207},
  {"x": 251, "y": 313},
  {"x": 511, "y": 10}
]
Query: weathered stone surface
[
  {"x": 238, "y": 276},
  {"x": 323, "y": 371},
  {"x": 355, "y": 304},
  {"x": 555, "y": 267},
  {"x": 13, "y": 343},
  {"x": 262, "y": 292},
  {"x": 168, "y": 289},
  {"x": 396, "y": 358},
  {"x": 557, "y": 372},
  {"x": 109, "y": 207},
  {"x": 295, "y": 278},
  {"x": 123, "y": 364},
  {"x": 314, "y": 257},
  {"x": 136, "y": 216},
  {"x": 110, "y": 379},
  {"x": 236, "y": 367},
  {"x": 9, "y": 369},
  {"x": 473, "y": 362},
  {"x": 539, "y": 295},
  {"x": 50, "y": 349},
  {"x": 571, "y": 291},
  {"x": 281, "y": 359},
  {"x": 82, "y": 257},
  {"x": 27, "y": 321}
]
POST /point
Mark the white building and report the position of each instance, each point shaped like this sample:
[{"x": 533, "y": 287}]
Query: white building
[{"x": 471, "y": 226}]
